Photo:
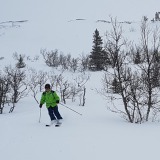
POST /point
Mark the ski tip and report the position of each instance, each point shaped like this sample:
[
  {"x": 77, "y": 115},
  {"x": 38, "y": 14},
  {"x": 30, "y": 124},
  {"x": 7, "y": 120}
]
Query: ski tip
[
  {"x": 47, "y": 125},
  {"x": 57, "y": 125}
]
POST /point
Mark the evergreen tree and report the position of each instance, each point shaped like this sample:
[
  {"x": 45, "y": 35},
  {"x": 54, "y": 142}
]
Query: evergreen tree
[
  {"x": 96, "y": 59},
  {"x": 115, "y": 86},
  {"x": 137, "y": 59},
  {"x": 155, "y": 77},
  {"x": 20, "y": 63},
  {"x": 156, "y": 56}
]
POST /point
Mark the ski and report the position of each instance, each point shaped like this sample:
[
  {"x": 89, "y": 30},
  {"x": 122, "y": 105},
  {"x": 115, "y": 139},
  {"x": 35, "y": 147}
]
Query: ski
[{"x": 56, "y": 125}]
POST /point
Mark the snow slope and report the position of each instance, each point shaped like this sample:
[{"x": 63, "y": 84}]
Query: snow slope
[
  {"x": 96, "y": 135},
  {"x": 53, "y": 25}
]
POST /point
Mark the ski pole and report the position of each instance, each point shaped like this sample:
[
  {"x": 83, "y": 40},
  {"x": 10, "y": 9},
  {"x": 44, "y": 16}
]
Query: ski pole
[
  {"x": 40, "y": 116},
  {"x": 71, "y": 109}
]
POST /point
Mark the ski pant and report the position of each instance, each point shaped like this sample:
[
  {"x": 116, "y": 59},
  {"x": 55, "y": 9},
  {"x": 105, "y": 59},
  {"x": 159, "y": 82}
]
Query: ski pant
[{"x": 54, "y": 113}]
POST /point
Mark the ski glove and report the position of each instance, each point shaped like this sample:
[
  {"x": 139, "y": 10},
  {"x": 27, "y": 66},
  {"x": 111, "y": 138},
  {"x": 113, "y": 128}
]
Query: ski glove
[
  {"x": 40, "y": 106},
  {"x": 57, "y": 101}
]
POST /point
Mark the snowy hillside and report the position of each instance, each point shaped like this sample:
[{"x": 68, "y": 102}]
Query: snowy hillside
[
  {"x": 97, "y": 134},
  {"x": 26, "y": 27},
  {"x": 53, "y": 25}
]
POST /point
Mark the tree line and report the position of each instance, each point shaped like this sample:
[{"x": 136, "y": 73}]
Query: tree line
[
  {"x": 133, "y": 78},
  {"x": 17, "y": 82},
  {"x": 131, "y": 74}
]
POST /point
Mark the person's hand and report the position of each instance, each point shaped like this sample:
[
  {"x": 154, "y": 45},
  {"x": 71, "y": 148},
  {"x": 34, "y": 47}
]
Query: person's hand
[
  {"x": 40, "y": 106},
  {"x": 57, "y": 101}
]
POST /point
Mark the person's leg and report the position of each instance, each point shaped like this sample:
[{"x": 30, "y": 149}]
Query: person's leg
[
  {"x": 50, "y": 112},
  {"x": 56, "y": 112}
]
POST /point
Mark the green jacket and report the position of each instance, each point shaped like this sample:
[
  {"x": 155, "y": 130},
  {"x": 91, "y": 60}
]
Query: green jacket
[{"x": 49, "y": 98}]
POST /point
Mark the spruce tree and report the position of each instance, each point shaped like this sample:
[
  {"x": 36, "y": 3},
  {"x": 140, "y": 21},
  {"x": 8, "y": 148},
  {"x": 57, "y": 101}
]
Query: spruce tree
[
  {"x": 137, "y": 59},
  {"x": 96, "y": 59},
  {"x": 20, "y": 63}
]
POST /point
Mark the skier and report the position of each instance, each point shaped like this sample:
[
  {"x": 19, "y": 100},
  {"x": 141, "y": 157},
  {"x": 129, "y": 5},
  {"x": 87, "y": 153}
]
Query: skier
[{"x": 51, "y": 99}]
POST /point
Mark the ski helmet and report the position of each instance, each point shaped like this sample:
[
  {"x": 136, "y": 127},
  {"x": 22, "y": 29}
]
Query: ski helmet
[{"x": 47, "y": 86}]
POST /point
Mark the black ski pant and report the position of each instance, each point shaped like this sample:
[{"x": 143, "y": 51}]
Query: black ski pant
[{"x": 54, "y": 113}]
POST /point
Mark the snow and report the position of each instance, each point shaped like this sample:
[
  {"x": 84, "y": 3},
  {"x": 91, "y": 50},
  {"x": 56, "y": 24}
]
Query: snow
[
  {"x": 50, "y": 24},
  {"x": 96, "y": 135}
]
